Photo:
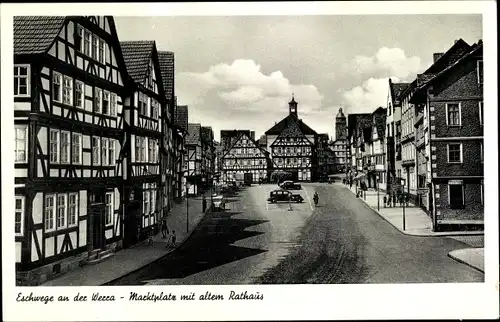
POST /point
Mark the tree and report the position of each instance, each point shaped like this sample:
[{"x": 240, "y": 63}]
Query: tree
[{"x": 280, "y": 176}]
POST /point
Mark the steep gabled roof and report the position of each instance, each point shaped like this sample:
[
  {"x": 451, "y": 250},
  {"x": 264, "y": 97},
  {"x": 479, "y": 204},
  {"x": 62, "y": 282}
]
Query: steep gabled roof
[
  {"x": 137, "y": 55},
  {"x": 35, "y": 34},
  {"x": 167, "y": 59},
  {"x": 181, "y": 117},
  {"x": 194, "y": 134},
  {"x": 238, "y": 138},
  {"x": 396, "y": 90},
  {"x": 459, "y": 48},
  {"x": 281, "y": 125}
]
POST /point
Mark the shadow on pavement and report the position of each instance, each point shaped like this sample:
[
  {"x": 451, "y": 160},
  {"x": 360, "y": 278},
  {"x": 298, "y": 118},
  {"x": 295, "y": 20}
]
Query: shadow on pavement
[{"x": 209, "y": 246}]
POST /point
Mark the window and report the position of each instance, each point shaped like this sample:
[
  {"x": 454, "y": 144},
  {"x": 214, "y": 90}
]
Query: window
[
  {"x": 86, "y": 43},
  {"x": 96, "y": 150},
  {"x": 21, "y": 80},
  {"x": 112, "y": 109},
  {"x": 101, "y": 51},
  {"x": 111, "y": 148},
  {"x": 153, "y": 198},
  {"x": 76, "y": 153},
  {"x": 61, "y": 211},
  {"x": 150, "y": 76},
  {"x": 73, "y": 209},
  {"x": 19, "y": 216},
  {"x": 481, "y": 113},
  {"x": 54, "y": 146},
  {"x": 480, "y": 74},
  {"x": 49, "y": 212},
  {"x": 104, "y": 154},
  {"x": 21, "y": 143},
  {"x": 56, "y": 87},
  {"x": 78, "y": 35},
  {"x": 152, "y": 151},
  {"x": 68, "y": 90},
  {"x": 105, "y": 103},
  {"x": 109, "y": 209},
  {"x": 456, "y": 196},
  {"x": 140, "y": 149},
  {"x": 482, "y": 192},
  {"x": 95, "y": 40},
  {"x": 65, "y": 145},
  {"x": 455, "y": 153},
  {"x": 145, "y": 195},
  {"x": 79, "y": 94},
  {"x": 482, "y": 153},
  {"x": 154, "y": 106},
  {"x": 97, "y": 100},
  {"x": 453, "y": 117}
]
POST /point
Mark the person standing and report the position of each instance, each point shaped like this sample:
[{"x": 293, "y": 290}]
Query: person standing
[
  {"x": 164, "y": 227},
  {"x": 204, "y": 204}
]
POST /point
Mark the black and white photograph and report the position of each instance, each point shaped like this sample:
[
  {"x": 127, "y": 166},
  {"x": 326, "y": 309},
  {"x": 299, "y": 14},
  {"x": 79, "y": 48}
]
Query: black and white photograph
[{"x": 212, "y": 155}]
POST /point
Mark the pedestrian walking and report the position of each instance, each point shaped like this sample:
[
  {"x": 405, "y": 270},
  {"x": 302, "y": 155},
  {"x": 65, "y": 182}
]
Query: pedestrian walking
[
  {"x": 164, "y": 227},
  {"x": 173, "y": 238},
  {"x": 204, "y": 204},
  {"x": 385, "y": 201}
]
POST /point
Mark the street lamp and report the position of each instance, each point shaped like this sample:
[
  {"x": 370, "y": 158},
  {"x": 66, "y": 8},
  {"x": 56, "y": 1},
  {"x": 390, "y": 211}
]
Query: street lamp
[
  {"x": 187, "y": 198},
  {"x": 378, "y": 192},
  {"x": 403, "y": 181}
]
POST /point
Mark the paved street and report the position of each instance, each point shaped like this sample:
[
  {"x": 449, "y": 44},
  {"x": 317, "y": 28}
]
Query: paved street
[{"x": 341, "y": 241}]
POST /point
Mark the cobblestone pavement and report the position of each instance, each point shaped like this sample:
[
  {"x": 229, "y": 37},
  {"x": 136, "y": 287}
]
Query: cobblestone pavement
[{"x": 473, "y": 241}]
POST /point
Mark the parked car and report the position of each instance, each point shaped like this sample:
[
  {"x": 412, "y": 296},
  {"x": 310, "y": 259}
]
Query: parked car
[
  {"x": 281, "y": 195},
  {"x": 290, "y": 185},
  {"x": 218, "y": 202}
]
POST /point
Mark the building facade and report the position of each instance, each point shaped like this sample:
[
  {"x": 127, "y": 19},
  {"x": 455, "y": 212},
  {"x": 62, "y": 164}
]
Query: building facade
[
  {"x": 326, "y": 158},
  {"x": 340, "y": 146},
  {"x": 451, "y": 104},
  {"x": 292, "y": 146},
  {"x": 169, "y": 169},
  {"x": 69, "y": 85},
  {"x": 180, "y": 136},
  {"x": 377, "y": 162},
  {"x": 244, "y": 158},
  {"x": 143, "y": 108},
  {"x": 193, "y": 159},
  {"x": 393, "y": 137},
  {"x": 208, "y": 156},
  {"x": 356, "y": 123}
]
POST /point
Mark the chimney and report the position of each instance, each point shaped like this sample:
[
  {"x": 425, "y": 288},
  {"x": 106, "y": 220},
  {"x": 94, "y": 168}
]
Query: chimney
[
  {"x": 252, "y": 135},
  {"x": 436, "y": 56}
]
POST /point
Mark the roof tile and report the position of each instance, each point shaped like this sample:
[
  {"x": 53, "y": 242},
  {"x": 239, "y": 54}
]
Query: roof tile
[
  {"x": 34, "y": 34},
  {"x": 181, "y": 117},
  {"x": 137, "y": 55},
  {"x": 167, "y": 59},
  {"x": 193, "y": 137}
]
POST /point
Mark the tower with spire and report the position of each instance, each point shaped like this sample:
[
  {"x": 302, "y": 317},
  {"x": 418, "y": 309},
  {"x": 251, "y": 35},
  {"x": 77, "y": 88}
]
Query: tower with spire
[
  {"x": 292, "y": 106},
  {"x": 340, "y": 126}
]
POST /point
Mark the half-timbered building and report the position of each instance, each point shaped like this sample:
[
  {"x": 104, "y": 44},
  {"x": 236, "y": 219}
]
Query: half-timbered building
[
  {"x": 68, "y": 86},
  {"x": 292, "y": 146},
  {"x": 143, "y": 107},
  {"x": 193, "y": 159},
  {"x": 243, "y": 157},
  {"x": 181, "y": 127},
  {"x": 208, "y": 156},
  {"x": 167, "y": 146}
]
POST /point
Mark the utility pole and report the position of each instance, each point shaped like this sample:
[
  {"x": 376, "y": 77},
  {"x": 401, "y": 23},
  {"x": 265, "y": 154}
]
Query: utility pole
[
  {"x": 404, "y": 215},
  {"x": 378, "y": 194}
]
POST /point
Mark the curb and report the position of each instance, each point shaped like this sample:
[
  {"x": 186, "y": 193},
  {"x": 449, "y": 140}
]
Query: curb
[
  {"x": 439, "y": 234},
  {"x": 464, "y": 262},
  {"x": 167, "y": 253}
]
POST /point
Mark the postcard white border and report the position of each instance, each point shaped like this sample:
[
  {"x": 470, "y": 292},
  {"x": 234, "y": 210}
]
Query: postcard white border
[{"x": 461, "y": 301}]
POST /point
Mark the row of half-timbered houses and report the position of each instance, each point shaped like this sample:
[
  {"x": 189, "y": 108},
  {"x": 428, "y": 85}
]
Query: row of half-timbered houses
[{"x": 96, "y": 142}]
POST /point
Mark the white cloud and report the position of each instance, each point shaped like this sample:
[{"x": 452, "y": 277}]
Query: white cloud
[
  {"x": 243, "y": 85},
  {"x": 368, "y": 96},
  {"x": 387, "y": 62}
]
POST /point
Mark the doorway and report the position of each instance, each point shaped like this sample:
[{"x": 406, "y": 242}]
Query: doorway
[{"x": 96, "y": 212}]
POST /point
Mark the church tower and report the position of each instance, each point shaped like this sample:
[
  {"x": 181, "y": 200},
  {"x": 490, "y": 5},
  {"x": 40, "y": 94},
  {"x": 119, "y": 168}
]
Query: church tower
[
  {"x": 292, "y": 106},
  {"x": 340, "y": 126}
]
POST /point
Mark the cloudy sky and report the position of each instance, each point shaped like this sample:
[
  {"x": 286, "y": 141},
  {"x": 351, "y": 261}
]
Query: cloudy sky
[{"x": 240, "y": 72}]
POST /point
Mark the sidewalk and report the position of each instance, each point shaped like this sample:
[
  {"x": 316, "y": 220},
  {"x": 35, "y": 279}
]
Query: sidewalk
[
  {"x": 417, "y": 222},
  {"x": 128, "y": 260}
]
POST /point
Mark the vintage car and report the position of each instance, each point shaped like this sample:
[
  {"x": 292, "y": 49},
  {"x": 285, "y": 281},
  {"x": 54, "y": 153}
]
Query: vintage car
[
  {"x": 290, "y": 185},
  {"x": 218, "y": 202},
  {"x": 282, "y": 195}
]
